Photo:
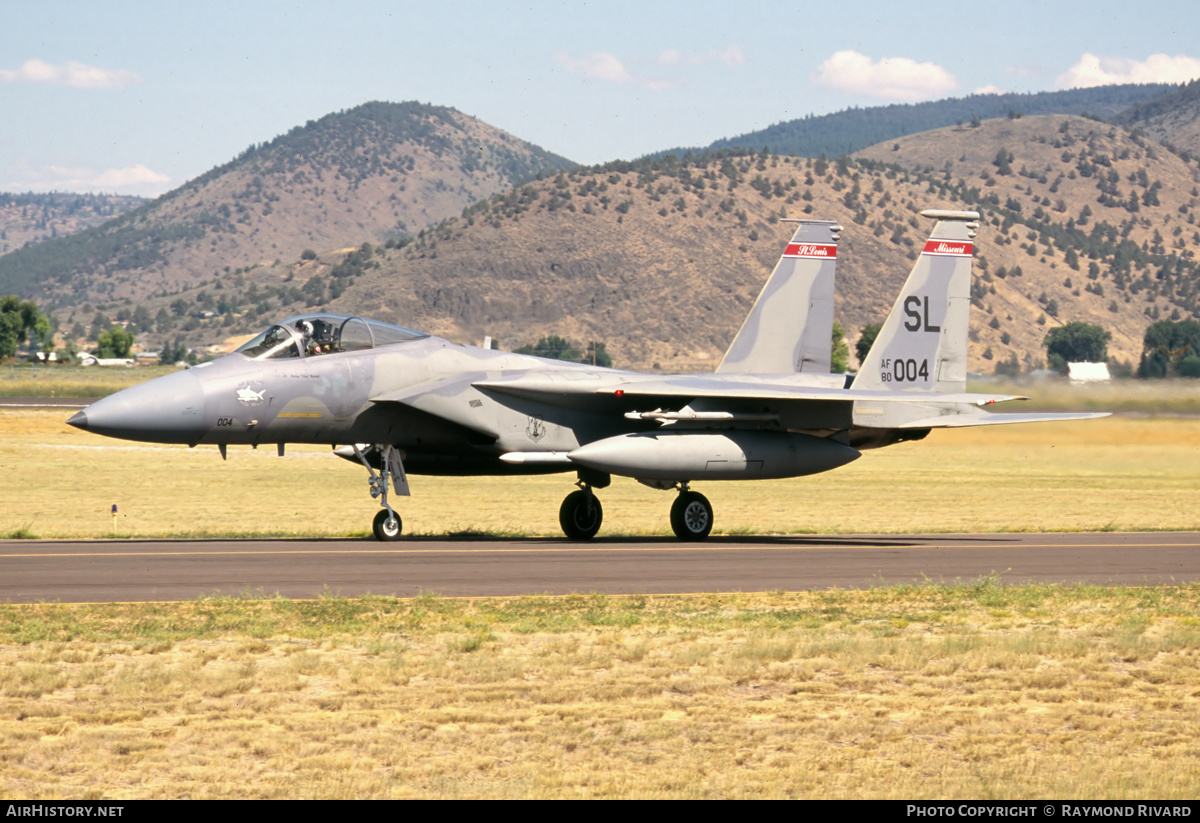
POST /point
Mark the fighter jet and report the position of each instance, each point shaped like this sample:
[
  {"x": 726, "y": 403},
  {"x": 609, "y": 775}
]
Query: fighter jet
[{"x": 400, "y": 401}]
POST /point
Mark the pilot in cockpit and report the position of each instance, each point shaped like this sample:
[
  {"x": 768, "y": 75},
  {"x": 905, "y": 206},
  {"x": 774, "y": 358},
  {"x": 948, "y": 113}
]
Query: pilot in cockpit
[{"x": 307, "y": 334}]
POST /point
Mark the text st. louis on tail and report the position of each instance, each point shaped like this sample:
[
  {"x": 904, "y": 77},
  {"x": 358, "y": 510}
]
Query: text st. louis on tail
[{"x": 403, "y": 402}]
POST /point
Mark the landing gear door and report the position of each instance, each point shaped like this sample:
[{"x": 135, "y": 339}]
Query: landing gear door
[{"x": 393, "y": 464}]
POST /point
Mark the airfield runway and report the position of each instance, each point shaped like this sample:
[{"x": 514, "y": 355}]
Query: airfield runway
[{"x": 162, "y": 570}]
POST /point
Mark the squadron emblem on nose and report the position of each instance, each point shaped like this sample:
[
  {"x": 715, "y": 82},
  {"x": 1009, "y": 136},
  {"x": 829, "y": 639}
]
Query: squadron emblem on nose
[{"x": 251, "y": 393}]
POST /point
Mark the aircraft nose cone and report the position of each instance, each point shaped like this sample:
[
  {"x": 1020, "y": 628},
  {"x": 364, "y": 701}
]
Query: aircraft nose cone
[{"x": 167, "y": 410}]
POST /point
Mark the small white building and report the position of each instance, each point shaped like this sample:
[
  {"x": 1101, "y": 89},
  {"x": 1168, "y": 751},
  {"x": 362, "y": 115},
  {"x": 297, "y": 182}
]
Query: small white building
[
  {"x": 1088, "y": 372},
  {"x": 93, "y": 360}
]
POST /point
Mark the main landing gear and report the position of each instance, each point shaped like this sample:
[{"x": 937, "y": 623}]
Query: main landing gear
[
  {"x": 691, "y": 515},
  {"x": 387, "y": 524},
  {"x": 581, "y": 513}
]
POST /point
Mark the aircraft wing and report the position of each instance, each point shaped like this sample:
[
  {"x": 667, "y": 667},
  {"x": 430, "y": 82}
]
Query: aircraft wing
[
  {"x": 743, "y": 387},
  {"x": 764, "y": 390},
  {"x": 995, "y": 419}
]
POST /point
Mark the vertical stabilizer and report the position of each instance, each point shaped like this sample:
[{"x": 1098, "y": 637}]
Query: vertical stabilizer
[
  {"x": 923, "y": 343},
  {"x": 791, "y": 323}
]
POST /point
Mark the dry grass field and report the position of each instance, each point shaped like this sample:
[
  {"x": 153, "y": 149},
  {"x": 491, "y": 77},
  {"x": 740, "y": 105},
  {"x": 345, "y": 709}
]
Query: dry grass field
[
  {"x": 971, "y": 691},
  {"x": 73, "y": 381},
  {"x": 976, "y": 691},
  {"x": 1121, "y": 473}
]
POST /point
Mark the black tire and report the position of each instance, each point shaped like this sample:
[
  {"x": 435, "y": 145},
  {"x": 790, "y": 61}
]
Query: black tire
[
  {"x": 691, "y": 516},
  {"x": 384, "y": 530},
  {"x": 581, "y": 515}
]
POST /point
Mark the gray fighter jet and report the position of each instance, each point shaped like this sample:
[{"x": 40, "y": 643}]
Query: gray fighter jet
[{"x": 400, "y": 401}]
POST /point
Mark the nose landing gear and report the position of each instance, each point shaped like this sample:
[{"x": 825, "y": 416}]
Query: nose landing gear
[{"x": 387, "y": 524}]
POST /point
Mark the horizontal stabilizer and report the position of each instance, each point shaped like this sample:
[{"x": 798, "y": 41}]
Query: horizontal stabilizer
[{"x": 952, "y": 421}]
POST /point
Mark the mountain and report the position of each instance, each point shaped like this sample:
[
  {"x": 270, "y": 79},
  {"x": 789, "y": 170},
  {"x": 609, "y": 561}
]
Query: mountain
[
  {"x": 375, "y": 172},
  {"x": 848, "y": 131},
  {"x": 662, "y": 258},
  {"x": 1100, "y": 222},
  {"x": 31, "y": 218},
  {"x": 659, "y": 258},
  {"x": 665, "y": 269}
]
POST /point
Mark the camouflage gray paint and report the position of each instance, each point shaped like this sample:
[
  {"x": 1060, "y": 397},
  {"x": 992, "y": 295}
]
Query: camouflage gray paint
[
  {"x": 773, "y": 339},
  {"x": 922, "y": 344},
  {"x": 425, "y": 405},
  {"x": 922, "y": 347}
]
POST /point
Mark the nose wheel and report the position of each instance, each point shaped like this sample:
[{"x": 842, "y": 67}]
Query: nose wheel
[
  {"x": 387, "y": 525},
  {"x": 691, "y": 516}
]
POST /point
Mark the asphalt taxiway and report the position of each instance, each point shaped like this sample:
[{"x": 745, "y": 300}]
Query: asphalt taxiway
[
  {"x": 164, "y": 570},
  {"x": 45, "y": 402}
]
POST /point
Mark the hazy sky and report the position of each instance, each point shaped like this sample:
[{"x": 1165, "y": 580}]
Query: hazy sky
[{"x": 139, "y": 97}]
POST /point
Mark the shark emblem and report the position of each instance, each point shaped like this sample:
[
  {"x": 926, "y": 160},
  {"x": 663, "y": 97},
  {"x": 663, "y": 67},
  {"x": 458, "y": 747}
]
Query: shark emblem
[{"x": 247, "y": 396}]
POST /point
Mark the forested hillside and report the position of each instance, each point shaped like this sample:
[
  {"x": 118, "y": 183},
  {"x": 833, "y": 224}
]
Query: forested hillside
[
  {"x": 34, "y": 217},
  {"x": 1172, "y": 118},
  {"x": 848, "y": 131},
  {"x": 661, "y": 259},
  {"x": 408, "y": 213}
]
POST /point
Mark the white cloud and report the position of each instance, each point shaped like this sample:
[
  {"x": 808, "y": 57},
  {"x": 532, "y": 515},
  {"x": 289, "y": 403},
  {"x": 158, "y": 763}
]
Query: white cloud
[
  {"x": 1103, "y": 71},
  {"x": 134, "y": 179},
  {"x": 75, "y": 74},
  {"x": 671, "y": 57},
  {"x": 730, "y": 56},
  {"x": 892, "y": 78},
  {"x": 128, "y": 177},
  {"x": 600, "y": 65},
  {"x": 990, "y": 89}
]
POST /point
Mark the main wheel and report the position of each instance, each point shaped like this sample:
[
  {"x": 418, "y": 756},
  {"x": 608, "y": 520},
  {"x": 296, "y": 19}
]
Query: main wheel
[
  {"x": 580, "y": 515},
  {"x": 387, "y": 525},
  {"x": 691, "y": 516}
]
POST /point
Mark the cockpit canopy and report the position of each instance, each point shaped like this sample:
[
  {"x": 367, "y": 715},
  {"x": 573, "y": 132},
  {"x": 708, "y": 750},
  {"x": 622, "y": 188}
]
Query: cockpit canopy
[{"x": 309, "y": 335}]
